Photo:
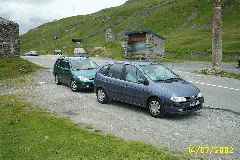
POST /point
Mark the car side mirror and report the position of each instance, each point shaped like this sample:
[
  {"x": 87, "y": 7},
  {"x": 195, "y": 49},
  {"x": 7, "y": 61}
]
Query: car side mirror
[{"x": 143, "y": 81}]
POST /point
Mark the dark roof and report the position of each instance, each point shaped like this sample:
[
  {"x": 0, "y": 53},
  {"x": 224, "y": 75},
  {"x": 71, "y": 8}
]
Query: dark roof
[
  {"x": 143, "y": 32},
  {"x": 77, "y": 40},
  {"x": 6, "y": 22}
]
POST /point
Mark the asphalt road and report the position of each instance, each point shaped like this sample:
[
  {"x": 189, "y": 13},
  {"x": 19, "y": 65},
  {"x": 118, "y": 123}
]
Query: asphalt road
[{"x": 210, "y": 127}]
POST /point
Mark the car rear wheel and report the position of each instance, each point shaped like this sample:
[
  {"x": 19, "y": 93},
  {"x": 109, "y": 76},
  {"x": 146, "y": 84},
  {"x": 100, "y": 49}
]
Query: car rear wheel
[
  {"x": 102, "y": 96},
  {"x": 156, "y": 109},
  {"x": 57, "y": 80},
  {"x": 74, "y": 86}
]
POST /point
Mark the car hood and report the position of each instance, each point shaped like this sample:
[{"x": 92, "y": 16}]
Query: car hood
[
  {"x": 176, "y": 89},
  {"x": 90, "y": 74}
]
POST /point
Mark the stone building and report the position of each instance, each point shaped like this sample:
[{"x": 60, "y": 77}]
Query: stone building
[
  {"x": 109, "y": 36},
  {"x": 9, "y": 38},
  {"x": 143, "y": 43}
]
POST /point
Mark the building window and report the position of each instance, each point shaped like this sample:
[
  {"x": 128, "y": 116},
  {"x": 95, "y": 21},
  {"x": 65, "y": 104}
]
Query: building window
[{"x": 4, "y": 46}]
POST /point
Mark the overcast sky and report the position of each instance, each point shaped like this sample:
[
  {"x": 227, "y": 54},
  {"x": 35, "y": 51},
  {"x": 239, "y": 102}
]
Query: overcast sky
[{"x": 32, "y": 13}]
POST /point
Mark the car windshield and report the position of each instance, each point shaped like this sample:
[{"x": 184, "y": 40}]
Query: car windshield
[
  {"x": 159, "y": 73},
  {"x": 83, "y": 64}
]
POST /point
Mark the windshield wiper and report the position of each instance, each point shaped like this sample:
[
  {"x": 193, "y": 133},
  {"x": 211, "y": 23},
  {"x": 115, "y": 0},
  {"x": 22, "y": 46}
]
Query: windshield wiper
[
  {"x": 90, "y": 68},
  {"x": 173, "y": 79}
]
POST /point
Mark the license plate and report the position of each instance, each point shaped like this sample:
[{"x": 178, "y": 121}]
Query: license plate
[{"x": 195, "y": 103}]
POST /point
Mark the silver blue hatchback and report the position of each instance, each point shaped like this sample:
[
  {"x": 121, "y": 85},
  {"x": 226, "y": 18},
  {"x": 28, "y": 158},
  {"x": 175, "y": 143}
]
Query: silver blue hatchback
[{"x": 147, "y": 85}]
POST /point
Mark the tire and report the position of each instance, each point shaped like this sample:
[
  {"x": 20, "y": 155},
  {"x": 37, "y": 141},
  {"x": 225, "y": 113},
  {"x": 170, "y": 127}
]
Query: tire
[
  {"x": 73, "y": 86},
  {"x": 156, "y": 108},
  {"x": 102, "y": 96},
  {"x": 57, "y": 80}
]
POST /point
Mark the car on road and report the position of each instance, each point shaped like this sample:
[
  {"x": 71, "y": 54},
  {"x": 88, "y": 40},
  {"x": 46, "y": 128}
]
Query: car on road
[
  {"x": 148, "y": 85},
  {"x": 32, "y": 53},
  {"x": 76, "y": 72}
]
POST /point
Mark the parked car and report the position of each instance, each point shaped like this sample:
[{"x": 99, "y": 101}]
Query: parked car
[
  {"x": 148, "y": 85},
  {"x": 76, "y": 72},
  {"x": 32, "y": 53},
  {"x": 58, "y": 52}
]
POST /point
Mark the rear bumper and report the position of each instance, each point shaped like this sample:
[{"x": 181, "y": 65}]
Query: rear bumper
[{"x": 181, "y": 108}]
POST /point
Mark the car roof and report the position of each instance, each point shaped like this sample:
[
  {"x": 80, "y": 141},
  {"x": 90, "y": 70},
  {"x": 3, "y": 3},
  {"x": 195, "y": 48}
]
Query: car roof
[{"x": 134, "y": 63}]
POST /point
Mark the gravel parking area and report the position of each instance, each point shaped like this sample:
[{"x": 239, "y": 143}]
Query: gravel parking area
[{"x": 177, "y": 133}]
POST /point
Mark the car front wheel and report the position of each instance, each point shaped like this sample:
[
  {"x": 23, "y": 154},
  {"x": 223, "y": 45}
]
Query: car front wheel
[
  {"x": 156, "y": 109},
  {"x": 74, "y": 86},
  {"x": 102, "y": 96}
]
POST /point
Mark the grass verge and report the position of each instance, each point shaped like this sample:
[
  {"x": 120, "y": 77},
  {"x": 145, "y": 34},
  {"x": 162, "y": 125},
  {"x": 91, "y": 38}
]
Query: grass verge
[
  {"x": 29, "y": 133},
  {"x": 15, "y": 67},
  {"x": 16, "y": 71},
  {"x": 222, "y": 74}
]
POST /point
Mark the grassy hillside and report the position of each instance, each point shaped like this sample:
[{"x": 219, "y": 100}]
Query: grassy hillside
[{"x": 186, "y": 25}]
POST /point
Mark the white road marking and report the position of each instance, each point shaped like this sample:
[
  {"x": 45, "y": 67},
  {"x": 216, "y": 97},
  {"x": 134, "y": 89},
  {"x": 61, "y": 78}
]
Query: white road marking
[
  {"x": 41, "y": 83},
  {"x": 213, "y": 85},
  {"x": 207, "y": 84}
]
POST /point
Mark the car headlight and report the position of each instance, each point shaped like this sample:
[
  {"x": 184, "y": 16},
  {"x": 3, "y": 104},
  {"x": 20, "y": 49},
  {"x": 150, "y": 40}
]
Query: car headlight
[
  {"x": 178, "y": 99},
  {"x": 84, "y": 79},
  {"x": 200, "y": 95}
]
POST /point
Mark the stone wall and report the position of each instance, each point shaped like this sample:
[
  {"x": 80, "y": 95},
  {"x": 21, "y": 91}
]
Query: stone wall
[{"x": 9, "y": 38}]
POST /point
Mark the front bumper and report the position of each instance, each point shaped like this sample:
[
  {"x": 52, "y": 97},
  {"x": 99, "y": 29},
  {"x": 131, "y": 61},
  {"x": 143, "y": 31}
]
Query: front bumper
[
  {"x": 185, "y": 107},
  {"x": 85, "y": 85}
]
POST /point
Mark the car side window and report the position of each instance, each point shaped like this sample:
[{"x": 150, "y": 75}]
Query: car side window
[
  {"x": 115, "y": 71},
  {"x": 104, "y": 70},
  {"x": 58, "y": 62},
  {"x": 140, "y": 76},
  {"x": 132, "y": 74},
  {"x": 66, "y": 65}
]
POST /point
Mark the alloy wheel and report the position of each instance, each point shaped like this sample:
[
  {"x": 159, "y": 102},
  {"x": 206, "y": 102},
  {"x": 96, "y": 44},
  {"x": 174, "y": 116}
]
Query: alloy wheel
[
  {"x": 101, "y": 95},
  {"x": 74, "y": 86},
  {"x": 155, "y": 108}
]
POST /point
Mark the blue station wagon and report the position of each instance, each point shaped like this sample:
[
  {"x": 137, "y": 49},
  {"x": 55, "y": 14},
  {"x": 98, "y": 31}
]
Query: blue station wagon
[{"x": 147, "y": 85}]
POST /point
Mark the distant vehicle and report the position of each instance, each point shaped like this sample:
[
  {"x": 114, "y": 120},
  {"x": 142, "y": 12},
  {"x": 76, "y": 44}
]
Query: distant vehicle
[
  {"x": 148, "y": 85},
  {"x": 76, "y": 72},
  {"x": 80, "y": 52},
  {"x": 32, "y": 53},
  {"x": 58, "y": 52}
]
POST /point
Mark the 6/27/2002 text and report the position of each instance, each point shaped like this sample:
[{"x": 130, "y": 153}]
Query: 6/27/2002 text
[{"x": 224, "y": 150}]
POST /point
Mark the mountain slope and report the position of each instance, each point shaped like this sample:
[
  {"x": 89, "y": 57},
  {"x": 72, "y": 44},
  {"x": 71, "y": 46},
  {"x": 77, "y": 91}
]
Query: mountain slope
[{"x": 186, "y": 25}]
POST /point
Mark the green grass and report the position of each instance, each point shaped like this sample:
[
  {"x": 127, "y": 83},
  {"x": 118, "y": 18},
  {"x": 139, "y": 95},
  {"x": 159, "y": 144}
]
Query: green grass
[
  {"x": 222, "y": 74},
  {"x": 185, "y": 24},
  {"x": 12, "y": 68},
  {"x": 29, "y": 133}
]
